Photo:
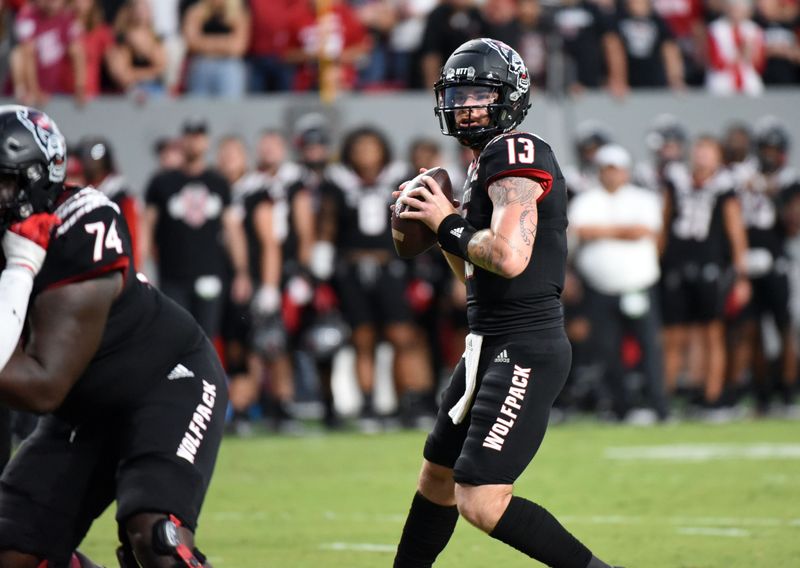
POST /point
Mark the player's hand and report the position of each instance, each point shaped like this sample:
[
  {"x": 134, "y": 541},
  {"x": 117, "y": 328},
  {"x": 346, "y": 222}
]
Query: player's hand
[
  {"x": 241, "y": 288},
  {"x": 429, "y": 204},
  {"x": 25, "y": 243},
  {"x": 266, "y": 301}
]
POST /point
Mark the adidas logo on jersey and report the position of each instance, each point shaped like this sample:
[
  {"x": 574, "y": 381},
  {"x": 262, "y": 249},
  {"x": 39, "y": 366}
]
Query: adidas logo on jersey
[
  {"x": 179, "y": 372},
  {"x": 457, "y": 232},
  {"x": 502, "y": 357}
]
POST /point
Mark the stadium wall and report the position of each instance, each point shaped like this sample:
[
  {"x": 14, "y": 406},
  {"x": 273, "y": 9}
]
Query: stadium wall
[{"x": 133, "y": 129}]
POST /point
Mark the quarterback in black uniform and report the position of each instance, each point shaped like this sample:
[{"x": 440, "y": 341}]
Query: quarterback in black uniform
[
  {"x": 494, "y": 413},
  {"x": 131, "y": 392}
]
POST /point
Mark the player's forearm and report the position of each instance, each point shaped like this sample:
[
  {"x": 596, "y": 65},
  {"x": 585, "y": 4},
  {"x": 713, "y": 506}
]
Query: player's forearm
[
  {"x": 16, "y": 285},
  {"x": 456, "y": 265},
  {"x": 496, "y": 253},
  {"x": 271, "y": 264},
  {"x": 24, "y": 385},
  {"x": 237, "y": 245}
]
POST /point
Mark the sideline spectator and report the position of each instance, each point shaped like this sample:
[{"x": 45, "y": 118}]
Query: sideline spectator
[
  {"x": 253, "y": 204},
  {"x": 326, "y": 46},
  {"x": 371, "y": 279},
  {"x": 501, "y": 19},
  {"x": 768, "y": 267},
  {"x": 590, "y": 136},
  {"x": 378, "y": 17},
  {"x": 667, "y": 140},
  {"x": 269, "y": 42},
  {"x": 187, "y": 225},
  {"x": 6, "y": 45},
  {"x": 97, "y": 39},
  {"x": 703, "y": 229},
  {"x": 594, "y": 53},
  {"x": 169, "y": 153},
  {"x": 617, "y": 225},
  {"x": 531, "y": 41},
  {"x": 166, "y": 24},
  {"x": 653, "y": 57},
  {"x": 685, "y": 20},
  {"x": 217, "y": 34},
  {"x": 100, "y": 171},
  {"x": 49, "y": 58},
  {"x": 736, "y": 52},
  {"x": 782, "y": 44},
  {"x": 406, "y": 39},
  {"x": 449, "y": 25},
  {"x": 137, "y": 60}
]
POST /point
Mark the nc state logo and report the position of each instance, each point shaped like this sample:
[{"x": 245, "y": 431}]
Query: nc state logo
[{"x": 49, "y": 139}]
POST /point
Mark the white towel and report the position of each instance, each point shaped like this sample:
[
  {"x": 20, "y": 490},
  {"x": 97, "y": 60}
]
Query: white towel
[{"x": 472, "y": 354}]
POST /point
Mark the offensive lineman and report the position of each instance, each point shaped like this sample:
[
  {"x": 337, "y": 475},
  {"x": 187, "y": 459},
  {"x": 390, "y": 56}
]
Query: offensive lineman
[
  {"x": 132, "y": 393},
  {"x": 495, "y": 411}
]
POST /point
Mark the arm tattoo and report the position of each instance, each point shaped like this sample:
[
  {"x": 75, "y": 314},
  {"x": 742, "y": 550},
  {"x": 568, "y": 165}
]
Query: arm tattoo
[
  {"x": 508, "y": 190},
  {"x": 490, "y": 250},
  {"x": 483, "y": 253},
  {"x": 527, "y": 225}
]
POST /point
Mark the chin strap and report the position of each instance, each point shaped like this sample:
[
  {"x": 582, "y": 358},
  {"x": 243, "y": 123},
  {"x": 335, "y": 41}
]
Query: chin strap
[{"x": 167, "y": 542}]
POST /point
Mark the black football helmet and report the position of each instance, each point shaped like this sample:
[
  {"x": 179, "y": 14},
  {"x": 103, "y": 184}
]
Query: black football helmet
[
  {"x": 326, "y": 335},
  {"x": 665, "y": 128},
  {"x": 770, "y": 133},
  {"x": 494, "y": 66},
  {"x": 33, "y": 163}
]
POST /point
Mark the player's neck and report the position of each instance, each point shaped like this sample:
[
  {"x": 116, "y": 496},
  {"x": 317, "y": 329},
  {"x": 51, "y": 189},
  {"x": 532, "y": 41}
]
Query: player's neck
[{"x": 195, "y": 167}]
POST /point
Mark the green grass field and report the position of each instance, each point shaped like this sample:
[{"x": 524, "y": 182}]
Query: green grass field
[{"x": 722, "y": 496}]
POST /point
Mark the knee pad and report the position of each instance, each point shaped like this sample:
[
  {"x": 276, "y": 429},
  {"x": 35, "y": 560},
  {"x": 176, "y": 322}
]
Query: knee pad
[{"x": 167, "y": 542}]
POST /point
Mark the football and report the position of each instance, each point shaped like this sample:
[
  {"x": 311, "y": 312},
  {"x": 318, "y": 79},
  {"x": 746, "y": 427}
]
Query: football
[{"x": 413, "y": 237}]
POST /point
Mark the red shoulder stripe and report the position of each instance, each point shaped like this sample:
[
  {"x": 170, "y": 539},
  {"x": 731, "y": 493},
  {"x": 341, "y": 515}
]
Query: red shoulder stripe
[
  {"x": 120, "y": 264},
  {"x": 543, "y": 178}
]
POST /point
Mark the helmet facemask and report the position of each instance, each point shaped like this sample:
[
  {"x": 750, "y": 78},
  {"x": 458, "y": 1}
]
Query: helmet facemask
[
  {"x": 17, "y": 194},
  {"x": 471, "y": 112}
]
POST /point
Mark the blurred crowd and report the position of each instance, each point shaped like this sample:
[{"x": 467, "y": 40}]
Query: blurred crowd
[
  {"x": 682, "y": 298},
  {"x": 230, "y": 48}
]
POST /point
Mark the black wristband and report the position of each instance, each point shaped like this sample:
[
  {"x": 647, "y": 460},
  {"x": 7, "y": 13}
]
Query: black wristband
[{"x": 454, "y": 234}]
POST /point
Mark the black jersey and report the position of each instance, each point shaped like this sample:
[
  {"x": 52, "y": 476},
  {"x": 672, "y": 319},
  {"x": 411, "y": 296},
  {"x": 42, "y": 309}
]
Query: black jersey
[
  {"x": 189, "y": 228},
  {"x": 696, "y": 230},
  {"x": 283, "y": 187},
  {"x": 145, "y": 331},
  {"x": 248, "y": 193},
  {"x": 530, "y": 301},
  {"x": 363, "y": 215}
]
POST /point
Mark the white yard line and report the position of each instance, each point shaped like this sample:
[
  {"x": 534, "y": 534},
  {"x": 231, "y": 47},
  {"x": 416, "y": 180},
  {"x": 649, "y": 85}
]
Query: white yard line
[
  {"x": 358, "y": 547},
  {"x": 713, "y": 531},
  {"x": 704, "y": 452}
]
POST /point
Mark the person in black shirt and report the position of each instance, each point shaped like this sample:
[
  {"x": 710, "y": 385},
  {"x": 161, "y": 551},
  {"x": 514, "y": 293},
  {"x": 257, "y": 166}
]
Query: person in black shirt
[
  {"x": 449, "y": 25},
  {"x": 132, "y": 394},
  {"x": 653, "y": 57},
  {"x": 594, "y": 52},
  {"x": 187, "y": 225},
  {"x": 371, "y": 281},
  {"x": 495, "y": 412},
  {"x": 781, "y": 43},
  {"x": 703, "y": 260}
]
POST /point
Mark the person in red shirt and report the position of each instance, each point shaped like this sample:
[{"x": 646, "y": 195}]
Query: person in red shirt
[
  {"x": 332, "y": 41},
  {"x": 269, "y": 42},
  {"x": 97, "y": 38},
  {"x": 49, "y": 39}
]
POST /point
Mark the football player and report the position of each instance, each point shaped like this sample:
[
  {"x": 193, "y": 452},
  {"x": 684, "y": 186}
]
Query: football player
[
  {"x": 495, "y": 412},
  {"x": 132, "y": 394}
]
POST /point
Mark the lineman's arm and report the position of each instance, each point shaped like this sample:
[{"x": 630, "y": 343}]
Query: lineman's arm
[{"x": 67, "y": 325}]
